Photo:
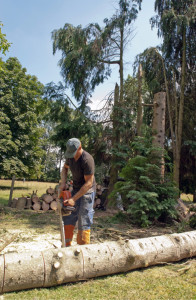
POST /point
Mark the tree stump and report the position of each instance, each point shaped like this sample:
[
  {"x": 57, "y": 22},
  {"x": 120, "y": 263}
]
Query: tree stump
[{"x": 21, "y": 203}]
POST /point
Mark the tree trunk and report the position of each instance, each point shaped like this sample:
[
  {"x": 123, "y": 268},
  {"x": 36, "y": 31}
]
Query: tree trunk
[
  {"x": 181, "y": 113},
  {"x": 57, "y": 266},
  {"x": 11, "y": 191},
  {"x": 115, "y": 142},
  {"x": 158, "y": 125},
  {"x": 139, "y": 107}
]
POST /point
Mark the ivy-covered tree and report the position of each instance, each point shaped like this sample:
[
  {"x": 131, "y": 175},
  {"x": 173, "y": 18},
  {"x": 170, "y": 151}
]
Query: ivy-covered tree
[{"x": 21, "y": 107}]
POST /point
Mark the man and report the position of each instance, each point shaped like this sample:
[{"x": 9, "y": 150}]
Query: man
[{"x": 82, "y": 166}]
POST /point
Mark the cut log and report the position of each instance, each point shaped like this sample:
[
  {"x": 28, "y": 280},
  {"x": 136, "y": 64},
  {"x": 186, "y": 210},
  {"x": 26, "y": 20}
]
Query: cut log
[
  {"x": 45, "y": 206},
  {"x": 34, "y": 198},
  {"x": 21, "y": 203},
  {"x": 50, "y": 191},
  {"x": 56, "y": 266},
  {"x": 14, "y": 201},
  {"x": 53, "y": 205},
  {"x": 99, "y": 187},
  {"x": 47, "y": 198},
  {"x": 99, "y": 192},
  {"x": 97, "y": 202},
  {"x": 182, "y": 210},
  {"x": 54, "y": 196},
  {"x": 36, "y": 206},
  {"x": 56, "y": 188},
  {"x": 29, "y": 203}
]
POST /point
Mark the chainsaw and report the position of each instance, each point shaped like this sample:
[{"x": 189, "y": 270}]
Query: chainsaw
[{"x": 64, "y": 210}]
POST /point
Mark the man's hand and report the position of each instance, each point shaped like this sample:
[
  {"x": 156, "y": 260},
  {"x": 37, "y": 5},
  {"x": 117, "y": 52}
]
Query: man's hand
[{"x": 69, "y": 202}]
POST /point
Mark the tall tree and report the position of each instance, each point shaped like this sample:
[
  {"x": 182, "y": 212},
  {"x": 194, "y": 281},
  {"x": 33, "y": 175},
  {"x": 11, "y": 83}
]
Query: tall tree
[
  {"x": 175, "y": 22},
  {"x": 65, "y": 122},
  {"x": 88, "y": 53},
  {"x": 21, "y": 107}
]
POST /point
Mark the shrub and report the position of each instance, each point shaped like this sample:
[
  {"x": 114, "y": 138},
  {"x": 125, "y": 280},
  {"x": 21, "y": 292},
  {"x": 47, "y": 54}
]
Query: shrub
[{"x": 145, "y": 195}]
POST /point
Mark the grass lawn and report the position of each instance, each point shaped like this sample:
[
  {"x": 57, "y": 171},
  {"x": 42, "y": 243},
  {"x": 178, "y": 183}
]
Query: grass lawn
[
  {"x": 167, "y": 282},
  {"x": 22, "y": 189}
]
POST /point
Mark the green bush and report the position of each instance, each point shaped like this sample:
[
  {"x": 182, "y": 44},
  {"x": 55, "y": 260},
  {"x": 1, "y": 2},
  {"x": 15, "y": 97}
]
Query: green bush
[{"x": 146, "y": 196}]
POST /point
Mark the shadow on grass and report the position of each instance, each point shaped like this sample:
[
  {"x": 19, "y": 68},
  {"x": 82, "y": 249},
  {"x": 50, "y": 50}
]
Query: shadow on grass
[
  {"x": 4, "y": 187},
  {"x": 31, "y": 218}
]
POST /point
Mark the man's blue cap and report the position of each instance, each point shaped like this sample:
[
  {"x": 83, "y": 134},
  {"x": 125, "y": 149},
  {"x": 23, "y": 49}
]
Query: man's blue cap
[{"x": 72, "y": 147}]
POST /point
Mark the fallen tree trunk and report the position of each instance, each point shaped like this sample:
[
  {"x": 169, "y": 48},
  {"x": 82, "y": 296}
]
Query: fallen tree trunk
[{"x": 56, "y": 266}]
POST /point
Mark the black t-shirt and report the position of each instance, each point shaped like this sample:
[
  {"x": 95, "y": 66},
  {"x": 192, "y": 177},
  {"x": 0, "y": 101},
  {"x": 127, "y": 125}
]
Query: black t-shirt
[{"x": 83, "y": 166}]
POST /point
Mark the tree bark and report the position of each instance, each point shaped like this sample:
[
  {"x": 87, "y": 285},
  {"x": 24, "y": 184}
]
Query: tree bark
[
  {"x": 158, "y": 125},
  {"x": 115, "y": 142},
  {"x": 57, "y": 266},
  {"x": 181, "y": 112},
  {"x": 11, "y": 191},
  {"x": 139, "y": 107}
]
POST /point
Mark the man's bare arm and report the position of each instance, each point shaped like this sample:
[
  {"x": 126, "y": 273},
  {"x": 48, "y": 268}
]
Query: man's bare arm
[{"x": 64, "y": 173}]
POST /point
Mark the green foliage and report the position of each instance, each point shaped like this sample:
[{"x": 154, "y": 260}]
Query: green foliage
[
  {"x": 87, "y": 53},
  {"x": 21, "y": 108},
  {"x": 63, "y": 122},
  {"x": 145, "y": 195},
  {"x": 192, "y": 221},
  {"x": 4, "y": 44}
]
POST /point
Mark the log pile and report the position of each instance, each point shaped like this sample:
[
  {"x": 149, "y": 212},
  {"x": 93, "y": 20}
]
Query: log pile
[
  {"x": 101, "y": 194},
  {"x": 47, "y": 201},
  {"x": 185, "y": 211}
]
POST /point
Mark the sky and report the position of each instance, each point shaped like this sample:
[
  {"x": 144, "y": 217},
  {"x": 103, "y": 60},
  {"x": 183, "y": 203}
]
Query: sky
[{"x": 28, "y": 25}]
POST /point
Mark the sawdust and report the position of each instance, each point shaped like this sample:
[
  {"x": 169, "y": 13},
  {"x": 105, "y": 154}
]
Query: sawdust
[{"x": 31, "y": 239}]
